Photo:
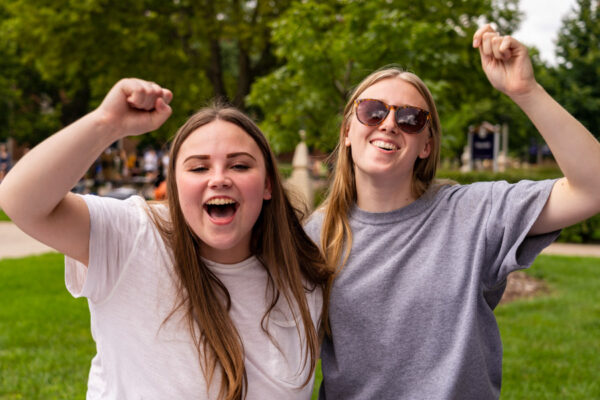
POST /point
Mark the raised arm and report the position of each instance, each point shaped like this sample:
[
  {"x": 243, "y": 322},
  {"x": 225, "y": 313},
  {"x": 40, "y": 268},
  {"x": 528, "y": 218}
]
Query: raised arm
[
  {"x": 576, "y": 196},
  {"x": 36, "y": 193}
]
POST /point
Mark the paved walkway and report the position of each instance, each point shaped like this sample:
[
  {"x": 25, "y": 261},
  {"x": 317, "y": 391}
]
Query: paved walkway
[
  {"x": 15, "y": 243},
  {"x": 573, "y": 249}
]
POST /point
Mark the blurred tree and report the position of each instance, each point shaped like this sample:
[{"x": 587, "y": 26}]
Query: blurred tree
[
  {"x": 338, "y": 43},
  {"x": 198, "y": 49},
  {"x": 26, "y": 113},
  {"x": 578, "y": 72}
]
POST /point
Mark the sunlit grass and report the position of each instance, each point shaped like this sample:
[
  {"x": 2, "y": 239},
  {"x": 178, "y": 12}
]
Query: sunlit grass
[
  {"x": 551, "y": 343},
  {"x": 45, "y": 341},
  {"x": 3, "y": 216}
]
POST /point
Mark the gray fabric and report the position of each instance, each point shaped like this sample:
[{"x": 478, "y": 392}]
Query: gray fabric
[{"x": 412, "y": 311}]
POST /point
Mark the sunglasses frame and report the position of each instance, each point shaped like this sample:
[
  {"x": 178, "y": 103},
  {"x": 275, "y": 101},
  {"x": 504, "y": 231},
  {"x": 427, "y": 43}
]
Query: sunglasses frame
[{"x": 396, "y": 109}]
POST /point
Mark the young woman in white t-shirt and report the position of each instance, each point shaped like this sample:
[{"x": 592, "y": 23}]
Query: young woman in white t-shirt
[{"x": 215, "y": 293}]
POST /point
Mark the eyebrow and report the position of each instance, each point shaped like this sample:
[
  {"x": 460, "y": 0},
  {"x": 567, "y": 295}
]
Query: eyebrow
[{"x": 230, "y": 155}]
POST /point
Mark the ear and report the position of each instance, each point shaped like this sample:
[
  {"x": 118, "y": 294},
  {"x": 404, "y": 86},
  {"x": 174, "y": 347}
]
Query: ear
[
  {"x": 346, "y": 138},
  {"x": 267, "y": 193},
  {"x": 427, "y": 149}
]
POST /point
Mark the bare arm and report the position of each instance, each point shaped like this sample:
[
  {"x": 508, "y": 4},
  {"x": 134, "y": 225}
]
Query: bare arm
[
  {"x": 576, "y": 196},
  {"x": 35, "y": 194}
]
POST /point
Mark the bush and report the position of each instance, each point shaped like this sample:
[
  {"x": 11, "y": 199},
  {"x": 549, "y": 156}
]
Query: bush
[
  {"x": 511, "y": 176},
  {"x": 587, "y": 231}
]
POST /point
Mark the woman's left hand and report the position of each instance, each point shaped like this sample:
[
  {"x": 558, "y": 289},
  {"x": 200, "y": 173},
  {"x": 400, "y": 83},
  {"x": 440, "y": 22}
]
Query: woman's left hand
[{"x": 505, "y": 61}]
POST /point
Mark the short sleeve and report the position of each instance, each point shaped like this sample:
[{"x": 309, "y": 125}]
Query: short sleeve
[
  {"x": 116, "y": 226},
  {"x": 514, "y": 208}
]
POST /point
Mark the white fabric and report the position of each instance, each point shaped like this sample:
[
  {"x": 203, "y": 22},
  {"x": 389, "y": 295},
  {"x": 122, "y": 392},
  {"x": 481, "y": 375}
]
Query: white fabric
[{"x": 130, "y": 289}]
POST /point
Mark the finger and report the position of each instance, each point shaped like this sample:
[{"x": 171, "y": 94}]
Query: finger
[
  {"x": 143, "y": 94},
  {"x": 149, "y": 94},
  {"x": 496, "y": 42},
  {"x": 162, "y": 107},
  {"x": 162, "y": 111},
  {"x": 135, "y": 93},
  {"x": 477, "y": 37},
  {"x": 486, "y": 43},
  {"x": 506, "y": 47},
  {"x": 155, "y": 91},
  {"x": 167, "y": 95}
]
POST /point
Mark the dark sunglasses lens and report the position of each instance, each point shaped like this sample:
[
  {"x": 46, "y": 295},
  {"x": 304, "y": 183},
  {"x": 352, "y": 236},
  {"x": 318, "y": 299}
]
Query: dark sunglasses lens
[
  {"x": 371, "y": 112},
  {"x": 410, "y": 119}
]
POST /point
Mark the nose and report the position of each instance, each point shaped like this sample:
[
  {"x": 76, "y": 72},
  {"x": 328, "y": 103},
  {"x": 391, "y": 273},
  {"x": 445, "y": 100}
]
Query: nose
[
  {"x": 389, "y": 123},
  {"x": 219, "y": 179}
]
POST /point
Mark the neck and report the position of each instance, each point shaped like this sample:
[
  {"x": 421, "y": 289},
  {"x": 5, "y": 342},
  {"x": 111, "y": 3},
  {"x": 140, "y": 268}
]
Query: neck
[{"x": 382, "y": 194}]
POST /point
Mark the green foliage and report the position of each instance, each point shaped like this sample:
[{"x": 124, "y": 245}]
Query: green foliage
[
  {"x": 511, "y": 176},
  {"x": 587, "y": 231},
  {"x": 60, "y": 58},
  {"x": 285, "y": 169},
  {"x": 577, "y": 77},
  {"x": 340, "y": 42}
]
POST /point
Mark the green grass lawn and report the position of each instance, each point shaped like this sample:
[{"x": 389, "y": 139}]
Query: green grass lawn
[
  {"x": 3, "y": 216},
  {"x": 551, "y": 344},
  {"x": 45, "y": 341}
]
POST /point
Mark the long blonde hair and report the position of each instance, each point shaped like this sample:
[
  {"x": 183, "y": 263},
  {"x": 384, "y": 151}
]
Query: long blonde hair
[
  {"x": 336, "y": 234},
  {"x": 278, "y": 241}
]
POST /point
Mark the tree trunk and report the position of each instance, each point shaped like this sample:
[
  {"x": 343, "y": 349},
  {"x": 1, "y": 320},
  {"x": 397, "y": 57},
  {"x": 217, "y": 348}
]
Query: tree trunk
[
  {"x": 244, "y": 78},
  {"x": 215, "y": 70}
]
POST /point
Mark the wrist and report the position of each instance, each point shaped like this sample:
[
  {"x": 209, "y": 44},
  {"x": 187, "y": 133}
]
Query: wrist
[
  {"x": 106, "y": 126},
  {"x": 525, "y": 98}
]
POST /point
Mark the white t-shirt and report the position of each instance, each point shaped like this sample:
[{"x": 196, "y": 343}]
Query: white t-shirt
[{"x": 130, "y": 287}]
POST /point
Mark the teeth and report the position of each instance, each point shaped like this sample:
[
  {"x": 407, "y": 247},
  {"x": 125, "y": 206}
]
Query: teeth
[
  {"x": 384, "y": 145},
  {"x": 220, "y": 201}
]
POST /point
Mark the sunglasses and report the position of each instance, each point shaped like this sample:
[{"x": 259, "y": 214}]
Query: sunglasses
[{"x": 373, "y": 112}]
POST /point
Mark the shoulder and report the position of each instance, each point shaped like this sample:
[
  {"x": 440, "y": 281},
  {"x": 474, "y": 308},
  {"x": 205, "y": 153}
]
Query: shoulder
[
  {"x": 128, "y": 217},
  {"x": 313, "y": 225},
  {"x": 493, "y": 195}
]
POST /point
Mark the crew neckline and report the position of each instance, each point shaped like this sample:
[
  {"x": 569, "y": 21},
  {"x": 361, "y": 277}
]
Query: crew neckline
[
  {"x": 389, "y": 217},
  {"x": 225, "y": 268}
]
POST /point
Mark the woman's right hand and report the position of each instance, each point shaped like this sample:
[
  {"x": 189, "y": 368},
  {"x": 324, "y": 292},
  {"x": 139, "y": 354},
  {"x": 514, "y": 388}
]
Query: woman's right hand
[
  {"x": 134, "y": 106},
  {"x": 35, "y": 193}
]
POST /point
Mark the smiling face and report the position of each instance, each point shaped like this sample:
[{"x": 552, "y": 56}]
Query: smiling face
[
  {"x": 385, "y": 151},
  {"x": 221, "y": 184}
]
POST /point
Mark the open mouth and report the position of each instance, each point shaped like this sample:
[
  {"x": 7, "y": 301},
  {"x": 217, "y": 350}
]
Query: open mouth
[
  {"x": 221, "y": 208},
  {"x": 384, "y": 145}
]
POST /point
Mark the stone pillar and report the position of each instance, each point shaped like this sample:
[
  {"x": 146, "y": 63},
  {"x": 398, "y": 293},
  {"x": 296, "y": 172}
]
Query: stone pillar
[{"x": 301, "y": 182}]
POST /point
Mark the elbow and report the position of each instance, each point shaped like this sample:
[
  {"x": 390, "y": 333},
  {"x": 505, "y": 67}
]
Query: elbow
[
  {"x": 594, "y": 197},
  {"x": 591, "y": 200}
]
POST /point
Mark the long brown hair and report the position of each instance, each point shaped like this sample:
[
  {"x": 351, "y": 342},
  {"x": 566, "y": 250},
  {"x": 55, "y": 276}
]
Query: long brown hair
[
  {"x": 278, "y": 240},
  {"x": 336, "y": 234}
]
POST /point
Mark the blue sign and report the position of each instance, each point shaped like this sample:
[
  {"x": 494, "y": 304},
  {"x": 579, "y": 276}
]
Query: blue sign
[{"x": 482, "y": 147}]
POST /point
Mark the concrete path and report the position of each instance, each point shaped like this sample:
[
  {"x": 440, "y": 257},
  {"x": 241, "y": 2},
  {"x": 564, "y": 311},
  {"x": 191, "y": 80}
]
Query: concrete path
[
  {"x": 15, "y": 243},
  {"x": 573, "y": 249}
]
